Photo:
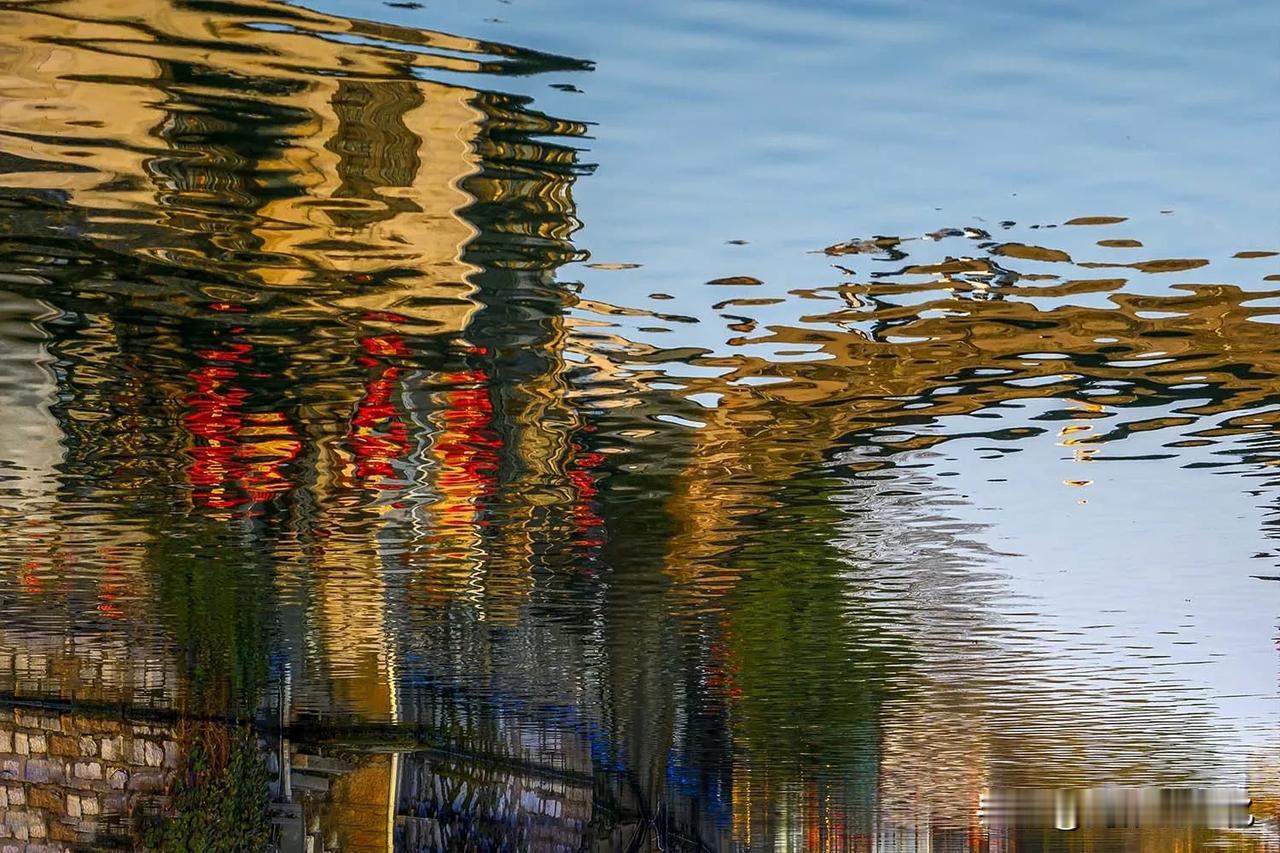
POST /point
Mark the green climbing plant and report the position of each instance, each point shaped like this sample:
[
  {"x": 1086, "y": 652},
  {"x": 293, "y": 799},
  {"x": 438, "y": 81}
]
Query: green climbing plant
[{"x": 218, "y": 802}]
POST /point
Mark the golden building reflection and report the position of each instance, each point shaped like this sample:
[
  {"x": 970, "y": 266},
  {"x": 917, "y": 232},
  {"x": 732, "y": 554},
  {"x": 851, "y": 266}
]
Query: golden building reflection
[{"x": 297, "y": 191}]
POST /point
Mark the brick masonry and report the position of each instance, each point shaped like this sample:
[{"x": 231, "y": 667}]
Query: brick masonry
[{"x": 68, "y": 781}]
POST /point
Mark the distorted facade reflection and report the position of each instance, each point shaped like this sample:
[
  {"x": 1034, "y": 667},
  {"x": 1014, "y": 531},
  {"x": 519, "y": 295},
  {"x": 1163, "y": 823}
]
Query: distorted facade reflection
[{"x": 323, "y": 475}]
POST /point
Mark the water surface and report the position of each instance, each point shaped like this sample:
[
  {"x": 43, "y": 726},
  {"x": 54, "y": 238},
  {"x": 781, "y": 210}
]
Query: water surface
[{"x": 558, "y": 426}]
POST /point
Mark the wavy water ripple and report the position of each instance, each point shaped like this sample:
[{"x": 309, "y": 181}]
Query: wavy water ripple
[{"x": 321, "y": 417}]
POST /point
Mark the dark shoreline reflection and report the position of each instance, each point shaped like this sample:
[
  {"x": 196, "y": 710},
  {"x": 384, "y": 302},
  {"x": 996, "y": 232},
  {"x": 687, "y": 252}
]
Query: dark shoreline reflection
[{"x": 86, "y": 776}]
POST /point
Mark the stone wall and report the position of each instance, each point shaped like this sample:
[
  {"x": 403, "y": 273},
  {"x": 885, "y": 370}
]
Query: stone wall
[
  {"x": 69, "y": 780},
  {"x": 451, "y": 802}
]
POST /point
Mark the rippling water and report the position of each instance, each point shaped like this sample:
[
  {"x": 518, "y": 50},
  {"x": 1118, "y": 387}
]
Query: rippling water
[{"x": 660, "y": 426}]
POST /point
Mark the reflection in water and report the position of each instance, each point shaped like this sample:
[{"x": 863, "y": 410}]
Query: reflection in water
[{"x": 308, "y": 427}]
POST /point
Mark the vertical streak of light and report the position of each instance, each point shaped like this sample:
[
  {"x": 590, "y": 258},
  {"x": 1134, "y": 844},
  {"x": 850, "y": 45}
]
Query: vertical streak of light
[{"x": 393, "y": 794}]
